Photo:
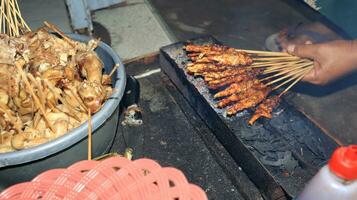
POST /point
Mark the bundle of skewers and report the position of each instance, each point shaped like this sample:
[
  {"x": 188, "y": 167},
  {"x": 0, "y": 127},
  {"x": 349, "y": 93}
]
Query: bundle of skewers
[
  {"x": 243, "y": 79},
  {"x": 11, "y": 21}
]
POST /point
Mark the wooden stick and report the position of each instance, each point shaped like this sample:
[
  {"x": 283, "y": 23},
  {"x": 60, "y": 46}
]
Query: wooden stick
[
  {"x": 8, "y": 17},
  {"x": 273, "y": 68},
  {"x": 23, "y": 22},
  {"x": 291, "y": 85},
  {"x": 59, "y": 32},
  {"x": 276, "y": 59},
  {"x": 288, "y": 64},
  {"x": 280, "y": 73},
  {"x": 89, "y": 136},
  {"x": 14, "y": 15},
  {"x": 1, "y": 16},
  {"x": 285, "y": 77},
  {"x": 79, "y": 100},
  {"x": 280, "y": 68},
  {"x": 116, "y": 66},
  {"x": 292, "y": 78},
  {"x": 272, "y": 63},
  {"x": 263, "y": 52},
  {"x": 37, "y": 101},
  {"x": 64, "y": 102},
  {"x": 7, "y": 23},
  {"x": 285, "y": 67},
  {"x": 41, "y": 96}
]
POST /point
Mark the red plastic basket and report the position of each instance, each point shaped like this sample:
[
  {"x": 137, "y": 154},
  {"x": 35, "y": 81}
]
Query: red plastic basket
[{"x": 113, "y": 178}]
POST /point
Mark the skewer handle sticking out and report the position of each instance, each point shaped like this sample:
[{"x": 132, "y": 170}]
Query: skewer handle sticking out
[{"x": 89, "y": 136}]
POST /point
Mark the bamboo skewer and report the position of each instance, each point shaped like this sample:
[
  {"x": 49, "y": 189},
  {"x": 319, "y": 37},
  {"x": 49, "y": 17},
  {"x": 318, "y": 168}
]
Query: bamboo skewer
[
  {"x": 272, "y": 63},
  {"x": 291, "y": 85},
  {"x": 18, "y": 12},
  {"x": 287, "y": 68},
  {"x": 89, "y": 136},
  {"x": 264, "y": 52},
  {"x": 283, "y": 67},
  {"x": 276, "y": 58},
  {"x": 37, "y": 101},
  {"x": 286, "y": 76},
  {"x": 59, "y": 32},
  {"x": 116, "y": 66},
  {"x": 11, "y": 21},
  {"x": 280, "y": 67},
  {"x": 301, "y": 73},
  {"x": 281, "y": 73}
]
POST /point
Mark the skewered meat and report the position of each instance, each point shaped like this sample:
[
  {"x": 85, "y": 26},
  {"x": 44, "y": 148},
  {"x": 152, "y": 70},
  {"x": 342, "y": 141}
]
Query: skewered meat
[
  {"x": 205, "y": 48},
  {"x": 239, "y": 87},
  {"x": 248, "y": 102},
  {"x": 236, "y": 97},
  {"x": 222, "y": 66},
  {"x": 209, "y": 76},
  {"x": 231, "y": 59},
  {"x": 215, "y": 84},
  {"x": 219, "y": 54},
  {"x": 199, "y": 68},
  {"x": 265, "y": 109}
]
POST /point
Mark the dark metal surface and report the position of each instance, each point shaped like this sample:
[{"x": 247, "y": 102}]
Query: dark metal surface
[{"x": 280, "y": 153}]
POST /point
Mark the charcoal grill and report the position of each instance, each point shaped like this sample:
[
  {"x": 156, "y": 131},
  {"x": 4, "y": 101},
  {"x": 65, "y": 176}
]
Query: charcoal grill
[{"x": 279, "y": 155}]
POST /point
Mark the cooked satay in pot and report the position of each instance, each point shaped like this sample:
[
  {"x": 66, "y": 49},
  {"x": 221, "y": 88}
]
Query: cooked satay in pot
[{"x": 48, "y": 83}]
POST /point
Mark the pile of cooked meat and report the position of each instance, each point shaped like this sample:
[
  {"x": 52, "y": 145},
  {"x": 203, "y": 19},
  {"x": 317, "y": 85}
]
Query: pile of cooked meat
[
  {"x": 48, "y": 85},
  {"x": 227, "y": 74}
]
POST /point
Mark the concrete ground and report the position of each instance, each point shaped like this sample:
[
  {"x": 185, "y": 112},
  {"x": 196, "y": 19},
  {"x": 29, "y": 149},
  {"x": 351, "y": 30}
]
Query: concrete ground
[
  {"x": 246, "y": 24},
  {"x": 133, "y": 26},
  {"x": 36, "y": 11}
]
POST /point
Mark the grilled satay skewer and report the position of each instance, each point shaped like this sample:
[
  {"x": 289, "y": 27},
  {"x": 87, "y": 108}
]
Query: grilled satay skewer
[
  {"x": 211, "y": 49},
  {"x": 236, "y": 97},
  {"x": 249, "y": 102},
  {"x": 231, "y": 59},
  {"x": 198, "y": 68},
  {"x": 215, "y": 84},
  {"x": 239, "y": 87},
  {"x": 205, "y": 48},
  {"x": 209, "y": 76},
  {"x": 265, "y": 109}
]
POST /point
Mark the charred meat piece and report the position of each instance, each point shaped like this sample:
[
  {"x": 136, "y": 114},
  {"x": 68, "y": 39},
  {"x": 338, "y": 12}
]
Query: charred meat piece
[
  {"x": 236, "y": 97},
  {"x": 205, "y": 48},
  {"x": 220, "y": 54},
  {"x": 215, "y": 84},
  {"x": 230, "y": 59},
  {"x": 198, "y": 68},
  {"x": 249, "y": 102},
  {"x": 239, "y": 87},
  {"x": 265, "y": 109},
  {"x": 209, "y": 76}
]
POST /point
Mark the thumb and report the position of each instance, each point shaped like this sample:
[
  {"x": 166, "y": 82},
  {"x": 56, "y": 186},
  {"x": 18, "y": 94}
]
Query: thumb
[{"x": 303, "y": 50}]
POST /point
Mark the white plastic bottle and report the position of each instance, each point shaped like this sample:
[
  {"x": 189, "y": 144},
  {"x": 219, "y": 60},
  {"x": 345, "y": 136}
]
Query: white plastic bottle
[{"x": 335, "y": 181}]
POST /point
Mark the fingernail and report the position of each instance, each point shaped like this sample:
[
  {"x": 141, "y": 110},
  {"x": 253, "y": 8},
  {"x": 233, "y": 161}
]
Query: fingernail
[{"x": 291, "y": 48}]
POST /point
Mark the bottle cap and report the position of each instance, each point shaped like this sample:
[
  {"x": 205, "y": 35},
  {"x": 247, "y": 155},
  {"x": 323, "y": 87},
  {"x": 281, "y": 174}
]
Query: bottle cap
[{"x": 343, "y": 162}]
